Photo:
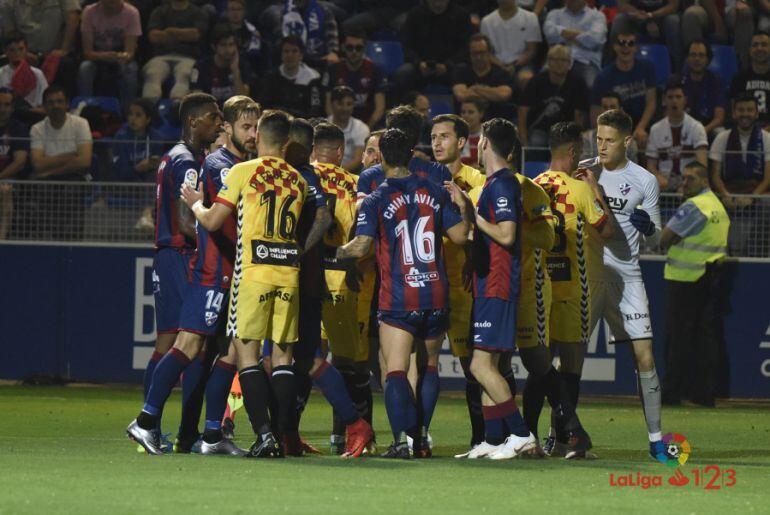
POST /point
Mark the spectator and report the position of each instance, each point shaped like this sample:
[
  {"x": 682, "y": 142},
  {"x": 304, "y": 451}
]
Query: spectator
[
  {"x": 294, "y": 86},
  {"x": 421, "y": 104},
  {"x": 741, "y": 156},
  {"x": 61, "y": 149},
  {"x": 658, "y": 19},
  {"x": 610, "y": 101},
  {"x": 484, "y": 79},
  {"x": 14, "y": 149},
  {"x": 310, "y": 20},
  {"x": 371, "y": 154},
  {"x": 436, "y": 35},
  {"x": 177, "y": 31},
  {"x": 50, "y": 29},
  {"x": 135, "y": 149},
  {"x": 676, "y": 140},
  {"x": 360, "y": 74},
  {"x": 373, "y": 14},
  {"x": 27, "y": 82},
  {"x": 756, "y": 78},
  {"x": 703, "y": 88},
  {"x": 354, "y": 129},
  {"x": 250, "y": 44},
  {"x": 712, "y": 18},
  {"x": 584, "y": 30},
  {"x": 473, "y": 111},
  {"x": 556, "y": 94},
  {"x": 110, "y": 30},
  {"x": 696, "y": 241},
  {"x": 222, "y": 73},
  {"x": 633, "y": 80},
  {"x": 514, "y": 34}
]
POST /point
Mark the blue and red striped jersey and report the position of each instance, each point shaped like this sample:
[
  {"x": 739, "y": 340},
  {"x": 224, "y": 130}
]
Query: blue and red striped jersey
[
  {"x": 496, "y": 269},
  {"x": 372, "y": 177},
  {"x": 407, "y": 217},
  {"x": 212, "y": 264},
  {"x": 311, "y": 262},
  {"x": 178, "y": 166}
]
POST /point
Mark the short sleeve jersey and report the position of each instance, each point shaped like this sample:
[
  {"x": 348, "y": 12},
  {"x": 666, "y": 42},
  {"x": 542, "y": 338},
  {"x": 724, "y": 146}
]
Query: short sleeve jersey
[
  {"x": 574, "y": 205},
  {"x": 373, "y": 176},
  {"x": 407, "y": 216},
  {"x": 536, "y": 219},
  {"x": 496, "y": 268},
  {"x": 467, "y": 179},
  {"x": 268, "y": 194},
  {"x": 339, "y": 188},
  {"x": 674, "y": 146},
  {"x": 178, "y": 166},
  {"x": 212, "y": 264}
]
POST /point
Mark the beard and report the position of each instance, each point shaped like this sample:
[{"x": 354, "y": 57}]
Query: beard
[{"x": 241, "y": 145}]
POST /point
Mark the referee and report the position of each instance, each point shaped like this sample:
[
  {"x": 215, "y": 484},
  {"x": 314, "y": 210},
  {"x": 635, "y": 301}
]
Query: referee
[{"x": 696, "y": 242}]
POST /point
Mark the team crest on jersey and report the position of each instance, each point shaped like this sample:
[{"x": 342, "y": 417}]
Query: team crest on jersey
[
  {"x": 625, "y": 188},
  {"x": 191, "y": 178},
  {"x": 211, "y": 318},
  {"x": 223, "y": 174}
]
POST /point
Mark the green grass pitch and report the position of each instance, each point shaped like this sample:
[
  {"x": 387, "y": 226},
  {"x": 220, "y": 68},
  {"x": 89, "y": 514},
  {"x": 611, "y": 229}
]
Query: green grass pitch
[{"x": 64, "y": 450}]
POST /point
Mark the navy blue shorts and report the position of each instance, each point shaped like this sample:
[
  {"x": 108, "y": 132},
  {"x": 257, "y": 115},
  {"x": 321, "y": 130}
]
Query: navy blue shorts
[
  {"x": 494, "y": 324},
  {"x": 204, "y": 310},
  {"x": 309, "y": 330},
  {"x": 169, "y": 287},
  {"x": 424, "y": 324}
]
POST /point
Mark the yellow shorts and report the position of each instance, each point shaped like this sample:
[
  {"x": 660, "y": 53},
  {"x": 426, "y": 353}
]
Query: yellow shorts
[
  {"x": 461, "y": 309},
  {"x": 263, "y": 312},
  {"x": 533, "y": 316},
  {"x": 339, "y": 325},
  {"x": 364, "y": 306},
  {"x": 570, "y": 320}
]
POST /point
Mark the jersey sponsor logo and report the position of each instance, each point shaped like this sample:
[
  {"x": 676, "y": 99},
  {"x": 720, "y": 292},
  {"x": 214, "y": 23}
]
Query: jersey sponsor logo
[
  {"x": 599, "y": 208},
  {"x": 559, "y": 268},
  {"x": 625, "y": 189},
  {"x": 191, "y": 178},
  {"x": 330, "y": 259},
  {"x": 223, "y": 175},
  {"x": 484, "y": 325},
  {"x": 211, "y": 317},
  {"x": 635, "y": 316},
  {"x": 276, "y": 294},
  {"x": 279, "y": 254},
  {"x": 416, "y": 279},
  {"x": 502, "y": 202},
  {"x": 616, "y": 204}
]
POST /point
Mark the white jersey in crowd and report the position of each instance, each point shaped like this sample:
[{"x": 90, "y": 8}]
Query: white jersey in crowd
[{"x": 626, "y": 189}]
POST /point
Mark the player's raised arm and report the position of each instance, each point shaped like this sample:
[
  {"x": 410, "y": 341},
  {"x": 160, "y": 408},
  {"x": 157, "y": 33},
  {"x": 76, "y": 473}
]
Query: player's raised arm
[
  {"x": 458, "y": 232},
  {"x": 607, "y": 227},
  {"x": 211, "y": 218}
]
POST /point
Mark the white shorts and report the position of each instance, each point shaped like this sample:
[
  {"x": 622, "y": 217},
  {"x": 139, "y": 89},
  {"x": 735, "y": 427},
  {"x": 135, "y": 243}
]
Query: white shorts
[{"x": 624, "y": 308}]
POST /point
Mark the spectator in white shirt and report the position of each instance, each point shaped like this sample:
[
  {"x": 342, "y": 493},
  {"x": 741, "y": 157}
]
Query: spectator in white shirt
[
  {"x": 584, "y": 30},
  {"x": 356, "y": 131},
  {"x": 676, "y": 140},
  {"x": 515, "y": 34}
]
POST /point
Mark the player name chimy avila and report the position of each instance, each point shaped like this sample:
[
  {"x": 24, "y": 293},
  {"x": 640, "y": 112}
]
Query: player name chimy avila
[{"x": 416, "y": 198}]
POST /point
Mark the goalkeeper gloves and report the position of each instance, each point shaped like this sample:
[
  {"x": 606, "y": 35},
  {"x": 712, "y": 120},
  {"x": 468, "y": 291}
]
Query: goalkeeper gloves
[{"x": 640, "y": 219}]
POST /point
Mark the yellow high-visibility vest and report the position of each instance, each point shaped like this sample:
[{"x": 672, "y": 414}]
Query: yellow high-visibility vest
[{"x": 687, "y": 259}]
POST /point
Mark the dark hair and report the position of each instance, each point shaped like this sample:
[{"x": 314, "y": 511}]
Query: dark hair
[
  {"x": 274, "y": 126},
  {"x": 481, "y": 37},
  {"x": 239, "y": 106},
  {"x": 300, "y": 142},
  {"x": 709, "y": 52},
  {"x": 760, "y": 33},
  {"x": 674, "y": 82},
  {"x": 564, "y": 133},
  {"x": 395, "y": 148},
  {"x": 220, "y": 32},
  {"x": 356, "y": 33},
  {"x": 481, "y": 104},
  {"x": 459, "y": 125},
  {"x": 617, "y": 119},
  {"x": 293, "y": 40},
  {"x": 341, "y": 92},
  {"x": 191, "y": 105},
  {"x": 14, "y": 37},
  {"x": 148, "y": 106},
  {"x": 411, "y": 97},
  {"x": 503, "y": 136},
  {"x": 625, "y": 31},
  {"x": 612, "y": 94},
  {"x": 53, "y": 89},
  {"x": 745, "y": 96},
  {"x": 328, "y": 133},
  {"x": 407, "y": 119}
]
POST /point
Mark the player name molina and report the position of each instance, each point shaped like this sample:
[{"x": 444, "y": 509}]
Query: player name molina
[
  {"x": 416, "y": 198},
  {"x": 342, "y": 182}
]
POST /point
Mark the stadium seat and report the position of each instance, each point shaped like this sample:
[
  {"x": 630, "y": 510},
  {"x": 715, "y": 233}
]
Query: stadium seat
[
  {"x": 724, "y": 63},
  {"x": 534, "y": 168},
  {"x": 438, "y": 107},
  {"x": 386, "y": 54},
  {"x": 110, "y": 104},
  {"x": 658, "y": 55},
  {"x": 165, "y": 105}
]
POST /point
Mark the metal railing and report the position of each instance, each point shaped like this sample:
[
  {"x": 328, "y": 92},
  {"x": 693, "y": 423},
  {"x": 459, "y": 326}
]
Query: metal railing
[{"x": 96, "y": 212}]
